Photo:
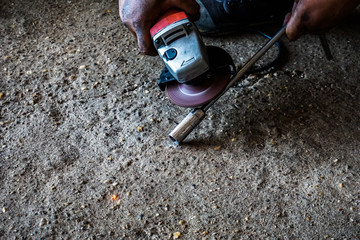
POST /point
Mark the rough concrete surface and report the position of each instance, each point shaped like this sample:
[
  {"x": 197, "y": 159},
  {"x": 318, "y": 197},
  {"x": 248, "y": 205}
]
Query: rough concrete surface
[{"x": 84, "y": 152}]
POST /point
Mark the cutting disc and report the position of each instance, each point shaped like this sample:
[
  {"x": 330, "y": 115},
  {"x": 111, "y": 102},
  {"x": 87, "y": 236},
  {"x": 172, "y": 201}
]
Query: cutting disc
[{"x": 193, "y": 95}]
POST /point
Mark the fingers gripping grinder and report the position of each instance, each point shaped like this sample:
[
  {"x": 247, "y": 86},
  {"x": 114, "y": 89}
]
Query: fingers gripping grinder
[{"x": 195, "y": 75}]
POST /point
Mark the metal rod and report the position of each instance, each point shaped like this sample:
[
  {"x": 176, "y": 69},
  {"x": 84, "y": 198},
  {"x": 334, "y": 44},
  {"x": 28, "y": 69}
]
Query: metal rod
[
  {"x": 326, "y": 47},
  {"x": 248, "y": 65},
  {"x": 184, "y": 128}
]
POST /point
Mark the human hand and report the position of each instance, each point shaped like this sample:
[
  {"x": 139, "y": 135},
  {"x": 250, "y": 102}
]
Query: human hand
[
  {"x": 316, "y": 16},
  {"x": 140, "y": 15}
]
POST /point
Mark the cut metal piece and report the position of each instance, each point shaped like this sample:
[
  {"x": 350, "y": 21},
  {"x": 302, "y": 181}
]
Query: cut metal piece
[{"x": 187, "y": 125}]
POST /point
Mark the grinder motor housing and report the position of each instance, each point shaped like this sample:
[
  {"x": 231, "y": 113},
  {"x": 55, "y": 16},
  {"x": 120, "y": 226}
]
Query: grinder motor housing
[{"x": 180, "y": 46}]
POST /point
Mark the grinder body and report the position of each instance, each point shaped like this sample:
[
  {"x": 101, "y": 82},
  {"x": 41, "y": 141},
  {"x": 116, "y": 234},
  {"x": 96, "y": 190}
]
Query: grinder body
[{"x": 180, "y": 46}]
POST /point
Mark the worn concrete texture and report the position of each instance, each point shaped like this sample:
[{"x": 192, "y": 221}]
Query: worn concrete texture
[{"x": 84, "y": 152}]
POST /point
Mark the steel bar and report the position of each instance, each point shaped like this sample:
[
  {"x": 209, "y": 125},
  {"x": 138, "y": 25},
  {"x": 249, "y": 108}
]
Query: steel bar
[{"x": 185, "y": 127}]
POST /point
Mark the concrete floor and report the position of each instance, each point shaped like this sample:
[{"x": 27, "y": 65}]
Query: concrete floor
[{"x": 84, "y": 152}]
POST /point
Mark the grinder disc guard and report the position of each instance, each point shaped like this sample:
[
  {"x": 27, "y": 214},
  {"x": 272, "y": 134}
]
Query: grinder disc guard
[{"x": 204, "y": 88}]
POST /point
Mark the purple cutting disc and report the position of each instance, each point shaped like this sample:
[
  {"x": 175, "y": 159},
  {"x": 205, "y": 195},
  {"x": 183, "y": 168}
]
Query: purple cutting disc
[{"x": 189, "y": 95}]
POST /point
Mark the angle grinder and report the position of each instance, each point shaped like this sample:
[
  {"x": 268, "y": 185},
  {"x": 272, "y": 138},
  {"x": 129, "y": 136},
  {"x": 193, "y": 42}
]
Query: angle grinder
[{"x": 195, "y": 75}]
